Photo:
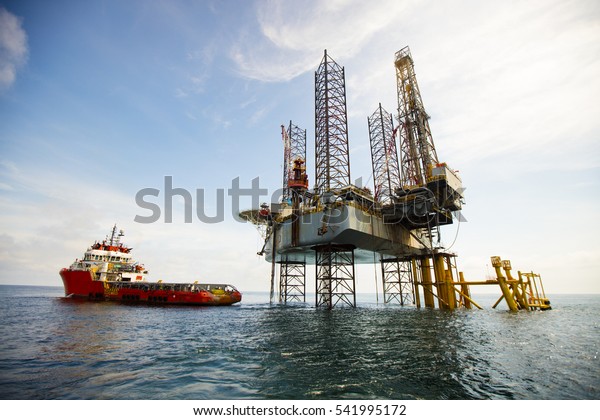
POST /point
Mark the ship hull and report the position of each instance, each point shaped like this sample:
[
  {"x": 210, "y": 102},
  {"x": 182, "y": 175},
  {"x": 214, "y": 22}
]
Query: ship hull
[{"x": 81, "y": 285}]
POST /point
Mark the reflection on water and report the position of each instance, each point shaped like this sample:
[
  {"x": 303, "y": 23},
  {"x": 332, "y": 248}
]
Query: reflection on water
[
  {"x": 57, "y": 348},
  {"x": 369, "y": 353}
]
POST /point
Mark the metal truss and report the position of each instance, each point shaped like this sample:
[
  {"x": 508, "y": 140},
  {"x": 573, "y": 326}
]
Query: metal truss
[
  {"x": 398, "y": 281},
  {"x": 292, "y": 281},
  {"x": 384, "y": 157},
  {"x": 294, "y": 140},
  {"x": 417, "y": 151},
  {"x": 335, "y": 276},
  {"x": 331, "y": 127}
]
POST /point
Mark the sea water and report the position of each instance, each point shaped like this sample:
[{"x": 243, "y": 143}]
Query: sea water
[{"x": 56, "y": 348}]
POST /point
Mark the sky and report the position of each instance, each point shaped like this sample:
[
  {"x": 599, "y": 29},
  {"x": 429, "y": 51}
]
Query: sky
[{"x": 100, "y": 100}]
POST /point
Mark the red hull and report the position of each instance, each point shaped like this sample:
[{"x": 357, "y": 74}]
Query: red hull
[{"x": 80, "y": 284}]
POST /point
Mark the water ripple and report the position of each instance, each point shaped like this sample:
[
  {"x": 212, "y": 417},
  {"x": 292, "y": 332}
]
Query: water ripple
[{"x": 55, "y": 348}]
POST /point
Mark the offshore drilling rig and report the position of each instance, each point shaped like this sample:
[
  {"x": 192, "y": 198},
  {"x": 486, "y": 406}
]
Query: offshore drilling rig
[{"x": 336, "y": 225}]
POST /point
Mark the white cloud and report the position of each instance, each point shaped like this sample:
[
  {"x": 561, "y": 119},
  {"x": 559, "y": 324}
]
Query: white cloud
[
  {"x": 293, "y": 35},
  {"x": 180, "y": 93},
  {"x": 199, "y": 74},
  {"x": 13, "y": 47},
  {"x": 259, "y": 114},
  {"x": 217, "y": 119}
]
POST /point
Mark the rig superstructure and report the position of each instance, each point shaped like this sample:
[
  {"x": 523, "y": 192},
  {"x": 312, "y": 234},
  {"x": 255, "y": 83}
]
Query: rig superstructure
[{"x": 336, "y": 224}]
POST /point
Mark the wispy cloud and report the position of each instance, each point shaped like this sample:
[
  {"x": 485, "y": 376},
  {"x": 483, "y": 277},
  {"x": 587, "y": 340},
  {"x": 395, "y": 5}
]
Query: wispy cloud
[
  {"x": 201, "y": 61},
  {"x": 293, "y": 35},
  {"x": 259, "y": 114},
  {"x": 218, "y": 120},
  {"x": 13, "y": 47}
]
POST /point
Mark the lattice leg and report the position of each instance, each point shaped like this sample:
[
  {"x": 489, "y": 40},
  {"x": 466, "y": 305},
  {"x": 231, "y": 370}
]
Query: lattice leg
[
  {"x": 397, "y": 281},
  {"x": 292, "y": 281},
  {"x": 335, "y": 276}
]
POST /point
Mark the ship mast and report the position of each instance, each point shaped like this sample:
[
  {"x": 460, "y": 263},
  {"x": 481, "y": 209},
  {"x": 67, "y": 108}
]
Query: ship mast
[{"x": 114, "y": 237}]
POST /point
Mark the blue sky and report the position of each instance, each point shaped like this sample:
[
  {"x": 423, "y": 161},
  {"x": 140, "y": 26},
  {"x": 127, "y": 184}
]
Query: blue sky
[{"x": 100, "y": 99}]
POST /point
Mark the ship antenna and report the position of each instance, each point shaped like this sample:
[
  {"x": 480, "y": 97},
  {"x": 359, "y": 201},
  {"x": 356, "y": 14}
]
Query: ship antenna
[{"x": 112, "y": 236}]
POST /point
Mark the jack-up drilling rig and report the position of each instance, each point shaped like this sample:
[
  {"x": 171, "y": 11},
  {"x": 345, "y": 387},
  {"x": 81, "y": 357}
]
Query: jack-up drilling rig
[{"x": 336, "y": 224}]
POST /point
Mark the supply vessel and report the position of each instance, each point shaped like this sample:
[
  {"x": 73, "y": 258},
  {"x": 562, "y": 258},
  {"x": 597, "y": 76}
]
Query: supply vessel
[{"x": 108, "y": 271}]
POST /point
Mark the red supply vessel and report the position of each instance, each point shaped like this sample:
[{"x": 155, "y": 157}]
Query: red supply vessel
[{"x": 109, "y": 272}]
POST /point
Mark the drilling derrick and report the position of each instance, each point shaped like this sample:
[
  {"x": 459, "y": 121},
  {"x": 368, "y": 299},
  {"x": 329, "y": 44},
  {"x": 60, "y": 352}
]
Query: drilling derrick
[
  {"x": 430, "y": 190},
  {"x": 416, "y": 142}
]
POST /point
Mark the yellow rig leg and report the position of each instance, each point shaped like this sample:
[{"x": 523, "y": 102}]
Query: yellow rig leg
[
  {"x": 522, "y": 286},
  {"x": 515, "y": 287},
  {"x": 427, "y": 286},
  {"x": 465, "y": 291},
  {"x": 510, "y": 301},
  {"x": 440, "y": 281},
  {"x": 450, "y": 292},
  {"x": 416, "y": 283}
]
